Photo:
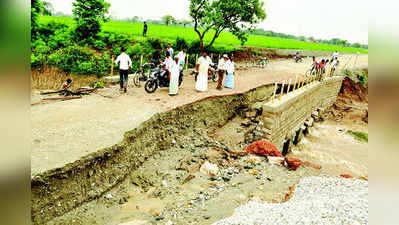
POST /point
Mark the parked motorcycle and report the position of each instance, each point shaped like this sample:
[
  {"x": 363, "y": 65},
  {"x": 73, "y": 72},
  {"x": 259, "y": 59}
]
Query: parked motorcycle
[{"x": 159, "y": 79}]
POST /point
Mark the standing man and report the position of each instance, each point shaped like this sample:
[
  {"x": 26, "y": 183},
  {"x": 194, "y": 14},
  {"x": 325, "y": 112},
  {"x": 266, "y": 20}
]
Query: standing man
[
  {"x": 335, "y": 55},
  {"x": 145, "y": 29},
  {"x": 202, "y": 68},
  {"x": 170, "y": 50},
  {"x": 222, "y": 67},
  {"x": 182, "y": 58},
  {"x": 125, "y": 65}
]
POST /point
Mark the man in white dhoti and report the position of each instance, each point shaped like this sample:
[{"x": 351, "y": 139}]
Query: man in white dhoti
[
  {"x": 202, "y": 68},
  {"x": 174, "y": 77}
]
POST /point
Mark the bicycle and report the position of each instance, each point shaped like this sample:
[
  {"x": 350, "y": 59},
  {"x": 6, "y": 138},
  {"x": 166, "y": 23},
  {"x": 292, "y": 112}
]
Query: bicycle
[{"x": 143, "y": 74}]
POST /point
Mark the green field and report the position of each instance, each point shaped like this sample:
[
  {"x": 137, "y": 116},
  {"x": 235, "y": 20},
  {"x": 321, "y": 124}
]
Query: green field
[{"x": 226, "y": 39}]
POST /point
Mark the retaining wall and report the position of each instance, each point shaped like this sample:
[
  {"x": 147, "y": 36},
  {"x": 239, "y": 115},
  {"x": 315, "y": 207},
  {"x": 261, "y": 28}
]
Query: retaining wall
[{"x": 283, "y": 118}]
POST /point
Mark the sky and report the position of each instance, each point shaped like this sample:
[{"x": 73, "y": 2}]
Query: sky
[{"x": 344, "y": 19}]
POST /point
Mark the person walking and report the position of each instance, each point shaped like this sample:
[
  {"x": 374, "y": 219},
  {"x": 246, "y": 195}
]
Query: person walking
[
  {"x": 202, "y": 68},
  {"x": 174, "y": 77},
  {"x": 182, "y": 58},
  {"x": 222, "y": 70},
  {"x": 125, "y": 63},
  {"x": 229, "y": 83}
]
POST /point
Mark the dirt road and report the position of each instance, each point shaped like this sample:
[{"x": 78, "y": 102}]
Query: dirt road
[{"x": 63, "y": 132}]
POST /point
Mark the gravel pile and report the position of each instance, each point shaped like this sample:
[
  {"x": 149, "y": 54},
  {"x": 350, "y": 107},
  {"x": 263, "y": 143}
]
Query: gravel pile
[{"x": 316, "y": 200}]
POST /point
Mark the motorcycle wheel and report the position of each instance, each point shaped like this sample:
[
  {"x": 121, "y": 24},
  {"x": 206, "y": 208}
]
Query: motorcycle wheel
[
  {"x": 151, "y": 86},
  {"x": 215, "y": 77}
]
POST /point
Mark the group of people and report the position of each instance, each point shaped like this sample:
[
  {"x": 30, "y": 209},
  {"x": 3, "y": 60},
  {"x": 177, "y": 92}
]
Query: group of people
[
  {"x": 320, "y": 66},
  {"x": 225, "y": 66}
]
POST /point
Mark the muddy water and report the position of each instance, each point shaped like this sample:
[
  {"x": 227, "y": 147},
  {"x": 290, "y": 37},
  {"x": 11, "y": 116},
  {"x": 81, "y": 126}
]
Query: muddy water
[{"x": 329, "y": 145}]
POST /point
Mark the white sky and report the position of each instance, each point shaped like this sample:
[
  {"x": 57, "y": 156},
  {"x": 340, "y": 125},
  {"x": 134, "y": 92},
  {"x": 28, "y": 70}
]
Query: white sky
[{"x": 345, "y": 19}]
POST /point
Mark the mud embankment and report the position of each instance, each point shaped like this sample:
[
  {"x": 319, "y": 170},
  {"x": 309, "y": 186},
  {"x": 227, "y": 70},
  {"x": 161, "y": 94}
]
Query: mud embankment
[
  {"x": 352, "y": 102},
  {"x": 61, "y": 190}
]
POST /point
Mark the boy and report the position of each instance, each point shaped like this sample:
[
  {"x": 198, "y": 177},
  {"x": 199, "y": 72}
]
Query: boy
[
  {"x": 67, "y": 84},
  {"x": 125, "y": 65}
]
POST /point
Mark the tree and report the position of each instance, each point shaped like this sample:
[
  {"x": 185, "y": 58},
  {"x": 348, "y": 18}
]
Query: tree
[
  {"x": 48, "y": 8},
  {"x": 168, "y": 19},
  {"x": 36, "y": 9},
  {"x": 89, "y": 14},
  {"x": 236, "y": 16}
]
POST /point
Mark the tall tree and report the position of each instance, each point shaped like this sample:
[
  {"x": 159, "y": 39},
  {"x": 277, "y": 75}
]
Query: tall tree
[
  {"x": 236, "y": 16},
  {"x": 48, "y": 8},
  {"x": 89, "y": 14},
  {"x": 36, "y": 9},
  {"x": 168, "y": 19}
]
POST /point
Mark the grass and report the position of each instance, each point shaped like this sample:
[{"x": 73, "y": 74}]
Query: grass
[
  {"x": 226, "y": 39},
  {"x": 360, "y": 136},
  {"x": 53, "y": 78}
]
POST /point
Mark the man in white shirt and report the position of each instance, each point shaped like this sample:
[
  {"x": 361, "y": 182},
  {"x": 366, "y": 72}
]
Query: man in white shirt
[
  {"x": 170, "y": 50},
  {"x": 202, "y": 68},
  {"x": 222, "y": 67},
  {"x": 125, "y": 63},
  {"x": 168, "y": 63},
  {"x": 335, "y": 55},
  {"x": 182, "y": 58}
]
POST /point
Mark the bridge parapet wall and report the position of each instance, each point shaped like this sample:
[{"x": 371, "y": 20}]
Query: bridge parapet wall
[{"x": 284, "y": 117}]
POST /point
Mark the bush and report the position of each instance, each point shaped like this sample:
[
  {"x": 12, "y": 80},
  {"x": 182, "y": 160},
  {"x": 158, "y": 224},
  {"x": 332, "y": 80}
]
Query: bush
[
  {"x": 99, "y": 45},
  {"x": 194, "y": 48},
  {"x": 80, "y": 60},
  {"x": 157, "y": 43},
  {"x": 180, "y": 43}
]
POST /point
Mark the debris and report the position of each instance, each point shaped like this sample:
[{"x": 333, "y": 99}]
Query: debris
[
  {"x": 346, "y": 176},
  {"x": 188, "y": 178},
  {"x": 311, "y": 165},
  {"x": 275, "y": 160},
  {"x": 209, "y": 169},
  {"x": 293, "y": 163},
  {"x": 63, "y": 98},
  {"x": 263, "y": 148},
  {"x": 253, "y": 171},
  {"x": 108, "y": 196}
]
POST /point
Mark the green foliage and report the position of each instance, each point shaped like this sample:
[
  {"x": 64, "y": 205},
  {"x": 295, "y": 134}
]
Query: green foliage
[
  {"x": 80, "y": 60},
  {"x": 236, "y": 16},
  {"x": 36, "y": 9},
  {"x": 157, "y": 43},
  {"x": 226, "y": 39},
  {"x": 360, "y": 136},
  {"x": 97, "y": 84},
  {"x": 47, "y": 8},
  {"x": 180, "y": 43},
  {"x": 168, "y": 19},
  {"x": 364, "y": 78},
  {"x": 89, "y": 14}
]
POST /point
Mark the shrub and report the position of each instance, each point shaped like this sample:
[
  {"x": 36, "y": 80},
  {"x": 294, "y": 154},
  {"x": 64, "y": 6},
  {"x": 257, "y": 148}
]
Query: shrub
[
  {"x": 194, "y": 47},
  {"x": 80, "y": 60},
  {"x": 100, "y": 45},
  {"x": 180, "y": 43}
]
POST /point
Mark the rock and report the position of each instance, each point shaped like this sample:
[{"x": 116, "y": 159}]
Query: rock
[
  {"x": 226, "y": 178},
  {"x": 293, "y": 163},
  {"x": 108, "y": 196},
  {"x": 209, "y": 169},
  {"x": 311, "y": 165},
  {"x": 253, "y": 171},
  {"x": 263, "y": 148},
  {"x": 213, "y": 156},
  {"x": 276, "y": 160}
]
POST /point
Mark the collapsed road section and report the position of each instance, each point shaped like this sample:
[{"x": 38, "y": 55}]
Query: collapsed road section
[{"x": 60, "y": 191}]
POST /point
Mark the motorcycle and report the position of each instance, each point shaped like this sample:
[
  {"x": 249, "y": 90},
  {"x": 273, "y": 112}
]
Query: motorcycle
[
  {"x": 159, "y": 79},
  {"x": 212, "y": 73}
]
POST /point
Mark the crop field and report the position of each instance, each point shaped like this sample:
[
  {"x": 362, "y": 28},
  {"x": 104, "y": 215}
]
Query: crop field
[{"x": 226, "y": 39}]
